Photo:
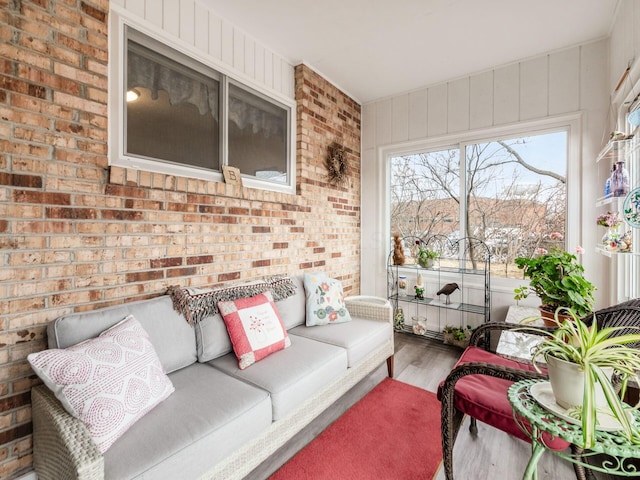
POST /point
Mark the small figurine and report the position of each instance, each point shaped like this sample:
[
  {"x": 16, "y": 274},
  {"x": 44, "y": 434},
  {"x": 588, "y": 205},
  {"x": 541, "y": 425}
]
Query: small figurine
[
  {"x": 419, "y": 288},
  {"x": 398, "y": 320},
  {"x": 398, "y": 250},
  {"x": 447, "y": 290}
]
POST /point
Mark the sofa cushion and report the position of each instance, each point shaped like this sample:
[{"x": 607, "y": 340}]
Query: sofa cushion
[
  {"x": 325, "y": 300},
  {"x": 172, "y": 338},
  {"x": 207, "y": 418},
  {"x": 255, "y": 328},
  {"x": 212, "y": 338},
  {"x": 292, "y": 375},
  {"x": 292, "y": 308},
  {"x": 359, "y": 337},
  {"x": 485, "y": 397},
  {"x": 108, "y": 382}
]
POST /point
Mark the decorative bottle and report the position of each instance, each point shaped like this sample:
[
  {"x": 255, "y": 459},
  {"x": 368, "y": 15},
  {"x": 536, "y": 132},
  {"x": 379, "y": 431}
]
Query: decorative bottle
[
  {"x": 620, "y": 180},
  {"x": 607, "y": 185}
]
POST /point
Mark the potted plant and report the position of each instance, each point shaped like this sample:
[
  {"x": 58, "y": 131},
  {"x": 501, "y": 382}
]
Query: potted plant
[
  {"x": 589, "y": 352},
  {"x": 457, "y": 336},
  {"x": 557, "y": 278},
  {"x": 426, "y": 257}
]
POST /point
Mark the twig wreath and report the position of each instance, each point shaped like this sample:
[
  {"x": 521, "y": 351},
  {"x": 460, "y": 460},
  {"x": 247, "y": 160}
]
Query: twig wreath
[{"x": 337, "y": 164}]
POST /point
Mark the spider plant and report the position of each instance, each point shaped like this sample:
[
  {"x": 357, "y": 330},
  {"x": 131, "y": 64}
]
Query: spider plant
[{"x": 594, "y": 350}]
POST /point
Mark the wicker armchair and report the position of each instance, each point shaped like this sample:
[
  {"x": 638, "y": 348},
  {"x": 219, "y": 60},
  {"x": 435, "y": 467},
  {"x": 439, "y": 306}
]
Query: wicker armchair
[{"x": 481, "y": 379}]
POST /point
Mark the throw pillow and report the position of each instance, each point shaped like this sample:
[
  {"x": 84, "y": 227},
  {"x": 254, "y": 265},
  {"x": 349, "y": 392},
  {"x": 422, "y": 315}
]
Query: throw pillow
[
  {"x": 108, "y": 382},
  {"x": 325, "y": 300},
  {"x": 255, "y": 327}
]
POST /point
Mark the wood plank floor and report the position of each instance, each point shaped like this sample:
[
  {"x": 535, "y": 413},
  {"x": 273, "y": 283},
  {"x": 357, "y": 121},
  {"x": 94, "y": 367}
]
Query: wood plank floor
[{"x": 424, "y": 363}]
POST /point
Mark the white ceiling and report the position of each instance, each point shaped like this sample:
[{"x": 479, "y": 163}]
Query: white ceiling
[{"x": 376, "y": 48}]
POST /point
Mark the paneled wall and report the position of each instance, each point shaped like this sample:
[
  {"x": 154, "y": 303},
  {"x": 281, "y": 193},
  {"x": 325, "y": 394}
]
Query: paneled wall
[
  {"x": 76, "y": 234},
  {"x": 198, "y": 27},
  {"x": 568, "y": 83}
]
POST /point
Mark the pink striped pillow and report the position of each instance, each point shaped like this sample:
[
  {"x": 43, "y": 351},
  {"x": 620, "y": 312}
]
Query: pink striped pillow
[{"x": 108, "y": 382}]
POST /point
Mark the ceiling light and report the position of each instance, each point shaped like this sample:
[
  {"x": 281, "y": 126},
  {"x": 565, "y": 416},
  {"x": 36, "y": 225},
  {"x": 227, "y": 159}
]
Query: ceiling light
[{"x": 132, "y": 95}]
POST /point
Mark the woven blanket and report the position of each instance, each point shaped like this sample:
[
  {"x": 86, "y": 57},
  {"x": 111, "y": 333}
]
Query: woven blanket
[{"x": 197, "y": 303}]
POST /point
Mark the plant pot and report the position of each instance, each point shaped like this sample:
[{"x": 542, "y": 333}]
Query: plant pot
[
  {"x": 567, "y": 383},
  {"x": 464, "y": 343},
  {"x": 427, "y": 263},
  {"x": 549, "y": 317}
]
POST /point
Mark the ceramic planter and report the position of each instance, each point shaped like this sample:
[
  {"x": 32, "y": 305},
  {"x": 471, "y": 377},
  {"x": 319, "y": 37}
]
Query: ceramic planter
[
  {"x": 549, "y": 317},
  {"x": 567, "y": 383}
]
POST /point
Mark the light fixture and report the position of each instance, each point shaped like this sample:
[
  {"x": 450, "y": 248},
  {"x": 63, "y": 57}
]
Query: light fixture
[{"x": 132, "y": 95}]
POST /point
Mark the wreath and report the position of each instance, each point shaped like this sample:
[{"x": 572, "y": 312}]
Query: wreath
[{"x": 337, "y": 164}]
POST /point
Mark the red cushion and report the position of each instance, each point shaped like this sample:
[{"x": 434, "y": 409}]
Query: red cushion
[{"x": 485, "y": 398}]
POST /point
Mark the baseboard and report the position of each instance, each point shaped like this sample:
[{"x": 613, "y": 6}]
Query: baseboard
[{"x": 28, "y": 476}]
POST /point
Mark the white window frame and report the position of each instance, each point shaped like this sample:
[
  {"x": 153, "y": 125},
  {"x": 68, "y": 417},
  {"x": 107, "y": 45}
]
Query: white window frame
[
  {"x": 572, "y": 124},
  {"x": 117, "y": 109}
]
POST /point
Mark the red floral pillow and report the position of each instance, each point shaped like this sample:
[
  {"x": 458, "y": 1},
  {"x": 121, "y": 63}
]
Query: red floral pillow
[{"x": 255, "y": 327}]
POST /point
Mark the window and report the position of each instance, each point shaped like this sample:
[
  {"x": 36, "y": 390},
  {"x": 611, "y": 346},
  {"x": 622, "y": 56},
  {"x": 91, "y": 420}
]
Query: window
[
  {"x": 510, "y": 193},
  {"x": 257, "y": 135},
  {"x": 172, "y": 110},
  {"x": 185, "y": 118}
]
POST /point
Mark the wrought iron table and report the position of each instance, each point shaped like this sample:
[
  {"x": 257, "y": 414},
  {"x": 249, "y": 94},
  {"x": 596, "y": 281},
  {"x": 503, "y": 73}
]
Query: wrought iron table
[{"x": 615, "y": 453}]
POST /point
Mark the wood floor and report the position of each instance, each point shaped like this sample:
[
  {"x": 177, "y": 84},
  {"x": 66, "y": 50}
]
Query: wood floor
[{"x": 424, "y": 363}]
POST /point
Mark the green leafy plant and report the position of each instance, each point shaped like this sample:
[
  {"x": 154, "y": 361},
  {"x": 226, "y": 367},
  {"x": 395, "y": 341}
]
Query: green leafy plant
[
  {"x": 594, "y": 350},
  {"x": 521, "y": 292},
  {"x": 459, "y": 334},
  {"x": 425, "y": 256},
  {"x": 558, "y": 279}
]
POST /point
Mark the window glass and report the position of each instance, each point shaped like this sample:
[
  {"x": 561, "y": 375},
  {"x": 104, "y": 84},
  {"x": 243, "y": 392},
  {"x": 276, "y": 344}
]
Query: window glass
[
  {"x": 257, "y": 135},
  {"x": 172, "y": 111},
  {"x": 513, "y": 196}
]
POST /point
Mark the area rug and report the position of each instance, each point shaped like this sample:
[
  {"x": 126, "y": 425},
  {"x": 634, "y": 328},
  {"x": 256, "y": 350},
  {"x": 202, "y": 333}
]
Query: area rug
[{"x": 392, "y": 433}]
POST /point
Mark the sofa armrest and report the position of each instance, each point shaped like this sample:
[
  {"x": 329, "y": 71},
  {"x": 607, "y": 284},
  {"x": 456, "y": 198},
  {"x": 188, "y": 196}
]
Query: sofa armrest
[
  {"x": 62, "y": 447},
  {"x": 371, "y": 308}
]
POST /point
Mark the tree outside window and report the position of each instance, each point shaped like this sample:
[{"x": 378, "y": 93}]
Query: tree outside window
[{"x": 509, "y": 193}]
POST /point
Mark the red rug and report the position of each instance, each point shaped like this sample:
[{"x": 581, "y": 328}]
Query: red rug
[{"x": 392, "y": 433}]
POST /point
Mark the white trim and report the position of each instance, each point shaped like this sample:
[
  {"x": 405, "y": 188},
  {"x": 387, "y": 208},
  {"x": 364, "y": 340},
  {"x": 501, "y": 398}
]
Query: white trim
[
  {"x": 28, "y": 476},
  {"x": 573, "y": 125}
]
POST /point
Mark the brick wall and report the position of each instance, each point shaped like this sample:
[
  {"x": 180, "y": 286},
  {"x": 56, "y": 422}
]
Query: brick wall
[{"x": 76, "y": 235}]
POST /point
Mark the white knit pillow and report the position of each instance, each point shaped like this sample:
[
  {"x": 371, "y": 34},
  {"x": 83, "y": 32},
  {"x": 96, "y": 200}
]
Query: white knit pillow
[{"x": 108, "y": 382}]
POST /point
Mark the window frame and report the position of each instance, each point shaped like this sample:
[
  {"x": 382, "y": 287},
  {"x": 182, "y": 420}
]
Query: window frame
[
  {"x": 571, "y": 124},
  {"x": 126, "y": 28}
]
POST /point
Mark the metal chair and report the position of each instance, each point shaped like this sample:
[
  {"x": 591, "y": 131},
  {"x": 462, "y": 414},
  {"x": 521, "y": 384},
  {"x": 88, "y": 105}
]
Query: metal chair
[{"x": 477, "y": 385}]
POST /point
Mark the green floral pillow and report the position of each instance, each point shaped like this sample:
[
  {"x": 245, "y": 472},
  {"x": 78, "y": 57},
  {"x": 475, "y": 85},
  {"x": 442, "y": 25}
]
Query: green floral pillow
[{"x": 325, "y": 300}]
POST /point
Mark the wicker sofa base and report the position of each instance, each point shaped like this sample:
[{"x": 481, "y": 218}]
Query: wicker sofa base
[{"x": 64, "y": 450}]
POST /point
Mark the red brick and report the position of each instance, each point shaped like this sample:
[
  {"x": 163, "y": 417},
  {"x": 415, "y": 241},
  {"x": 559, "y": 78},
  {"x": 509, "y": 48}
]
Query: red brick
[
  {"x": 166, "y": 262},
  {"x": 200, "y": 260},
  {"x": 96, "y": 13},
  {"x": 181, "y": 272},
  {"x": 18, "y": 180},
  {"x": 71, "y": 213},
  {"x": 261, "y": 263},
  {"x": 144, "y": 276},
  {"x": 128, "y": 215},
  {"x": 228, "y": 276}
]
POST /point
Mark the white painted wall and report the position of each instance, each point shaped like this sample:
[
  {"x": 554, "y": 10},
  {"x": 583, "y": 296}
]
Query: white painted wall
[{"x": 572, "y": 83}]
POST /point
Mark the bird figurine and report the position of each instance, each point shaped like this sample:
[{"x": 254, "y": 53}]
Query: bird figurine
[{"x": 447, "y": 290}]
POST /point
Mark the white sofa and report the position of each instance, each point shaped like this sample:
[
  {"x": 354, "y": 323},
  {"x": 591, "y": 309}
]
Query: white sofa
[{"x": 221, "y": 422}]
